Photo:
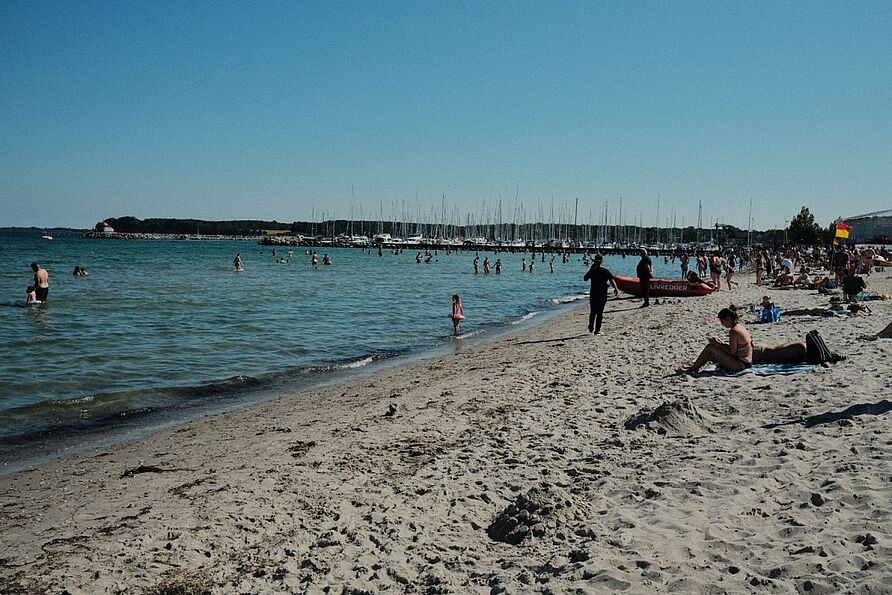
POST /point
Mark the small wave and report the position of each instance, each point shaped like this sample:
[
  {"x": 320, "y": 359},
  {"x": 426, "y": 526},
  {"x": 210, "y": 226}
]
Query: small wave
[
  {"x": 356, "y": 364},
  {"x": 526, "y": 317},
  {"x": 466, "y": 335},
  {"x": 345, "y": 365},
  {"x": 567, "y": 299}
]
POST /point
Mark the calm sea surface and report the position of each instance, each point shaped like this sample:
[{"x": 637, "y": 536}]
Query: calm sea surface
[{"x": 169, "y": 325}]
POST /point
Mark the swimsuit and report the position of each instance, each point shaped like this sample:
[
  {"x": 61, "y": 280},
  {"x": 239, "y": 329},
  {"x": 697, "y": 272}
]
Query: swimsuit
[{"x": 742, "y": 350}]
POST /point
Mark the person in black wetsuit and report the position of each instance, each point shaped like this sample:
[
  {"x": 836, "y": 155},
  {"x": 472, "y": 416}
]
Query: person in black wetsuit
[
  {"x": 600, "y": 278},
  {"x": 645, "y": 273}
]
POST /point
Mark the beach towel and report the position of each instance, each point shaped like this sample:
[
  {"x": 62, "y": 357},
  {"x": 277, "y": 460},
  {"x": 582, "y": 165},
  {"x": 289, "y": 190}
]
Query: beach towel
[{"x": 760, "y": 370}]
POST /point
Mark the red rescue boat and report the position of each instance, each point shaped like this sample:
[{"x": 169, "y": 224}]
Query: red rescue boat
[{"x": 663, "y": 287}]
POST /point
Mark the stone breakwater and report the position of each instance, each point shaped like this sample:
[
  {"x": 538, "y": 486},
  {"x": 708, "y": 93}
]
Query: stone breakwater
[{"x": 98, "y": 235}]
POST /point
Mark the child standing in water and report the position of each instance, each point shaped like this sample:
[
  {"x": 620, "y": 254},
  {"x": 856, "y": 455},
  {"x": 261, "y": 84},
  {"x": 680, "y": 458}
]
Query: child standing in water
[
  {"x": 458, "y": 314},
  {"x": 32, "y": 295}
]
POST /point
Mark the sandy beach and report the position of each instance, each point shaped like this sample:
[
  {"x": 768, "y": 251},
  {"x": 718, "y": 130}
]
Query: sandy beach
[{"x": 511, "y": 467}]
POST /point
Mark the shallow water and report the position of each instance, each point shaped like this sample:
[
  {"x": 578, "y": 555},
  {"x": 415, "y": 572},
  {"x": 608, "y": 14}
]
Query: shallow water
[{"x": 163, "y": 324}]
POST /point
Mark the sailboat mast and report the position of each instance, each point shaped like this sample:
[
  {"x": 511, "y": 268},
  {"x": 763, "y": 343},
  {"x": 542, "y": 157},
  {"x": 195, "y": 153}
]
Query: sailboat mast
[{"x": 749, "y": 233}]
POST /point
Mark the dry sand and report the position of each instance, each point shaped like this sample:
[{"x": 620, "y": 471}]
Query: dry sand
[{"x": 512, "y": 467}]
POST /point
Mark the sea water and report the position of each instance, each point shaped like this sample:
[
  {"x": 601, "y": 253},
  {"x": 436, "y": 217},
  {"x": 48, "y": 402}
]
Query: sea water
[{"x": 162, "y": 326}]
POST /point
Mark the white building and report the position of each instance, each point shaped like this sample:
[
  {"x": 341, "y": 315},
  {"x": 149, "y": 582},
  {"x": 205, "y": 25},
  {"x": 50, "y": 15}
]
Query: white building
[{"x": 871, "y": 227}]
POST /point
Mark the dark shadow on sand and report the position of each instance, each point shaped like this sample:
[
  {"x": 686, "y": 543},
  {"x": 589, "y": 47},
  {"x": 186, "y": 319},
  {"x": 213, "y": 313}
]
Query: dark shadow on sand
[
  {"x": 625, "y": 309},
  {"x": 884, "y": 406},
  {"x": 554, "y": 340}
]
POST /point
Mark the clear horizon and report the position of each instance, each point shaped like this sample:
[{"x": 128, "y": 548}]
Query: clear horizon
[{"x": 288, "y": 111}]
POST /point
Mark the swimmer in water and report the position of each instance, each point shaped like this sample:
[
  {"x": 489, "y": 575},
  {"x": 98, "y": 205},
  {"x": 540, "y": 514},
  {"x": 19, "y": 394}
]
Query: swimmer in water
[
  {"x": 237, "y": 261},
  {"x": 32, "y": 295}
]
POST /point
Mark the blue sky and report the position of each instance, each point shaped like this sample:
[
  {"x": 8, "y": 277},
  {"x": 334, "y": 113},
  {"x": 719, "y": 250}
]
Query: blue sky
[{"x": 276, "y": 110}]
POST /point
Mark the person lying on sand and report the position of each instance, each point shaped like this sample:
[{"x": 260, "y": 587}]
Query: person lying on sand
[
  {"x": 832, "y": 310},
  {"x": 783, "y": 280},
  {"x": 886, "y": 333},
  {"x": 735, "y": 355},
  {"x": 788, "y": 353}
]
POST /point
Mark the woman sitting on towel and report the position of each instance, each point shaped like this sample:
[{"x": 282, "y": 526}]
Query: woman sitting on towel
[{"x": 735, "y": 355}]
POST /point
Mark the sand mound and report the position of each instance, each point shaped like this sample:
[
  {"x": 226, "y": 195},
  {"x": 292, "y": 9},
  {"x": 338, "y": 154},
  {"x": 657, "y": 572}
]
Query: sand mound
[
  {"x": 673, "y": 417},
  {"x": 534, "y": 513}
]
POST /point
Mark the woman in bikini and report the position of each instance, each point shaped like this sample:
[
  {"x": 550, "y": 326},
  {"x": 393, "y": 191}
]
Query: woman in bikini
[
  {"x": 735, "y": 355},
  {"x": 458, "y": 314}
]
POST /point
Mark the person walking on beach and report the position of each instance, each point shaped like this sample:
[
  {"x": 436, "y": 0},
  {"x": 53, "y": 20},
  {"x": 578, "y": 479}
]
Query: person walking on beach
[
  {"x": 458, "y": 314},
  {"x": 41, "y": 282},
  {"x": 645, "y": 272},
  {"x": 600, "y": 279},
  {"x": 729, "y": 273},
  {"x": 715, "y": 271}
]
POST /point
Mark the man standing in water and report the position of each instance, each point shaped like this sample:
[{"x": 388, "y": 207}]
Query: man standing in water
[
  {"x": 41, "y": 282},
  {"x": 645, "y": 274},
  {"x": 600, "y": 278}
]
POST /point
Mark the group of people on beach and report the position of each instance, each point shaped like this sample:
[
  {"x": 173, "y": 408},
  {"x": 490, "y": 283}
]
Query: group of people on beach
[
  {"x": 838, "y": 268},
  {"x": 739, "y": 352}
]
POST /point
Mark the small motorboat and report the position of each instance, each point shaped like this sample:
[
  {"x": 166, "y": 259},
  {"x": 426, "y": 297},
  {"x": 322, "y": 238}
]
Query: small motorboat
[{"x": 663, "y": 287}]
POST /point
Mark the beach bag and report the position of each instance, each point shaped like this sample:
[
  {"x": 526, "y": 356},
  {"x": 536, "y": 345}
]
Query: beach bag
[
  {"x": 770, "y": 314},
  {"x": 817, "y": 352}
]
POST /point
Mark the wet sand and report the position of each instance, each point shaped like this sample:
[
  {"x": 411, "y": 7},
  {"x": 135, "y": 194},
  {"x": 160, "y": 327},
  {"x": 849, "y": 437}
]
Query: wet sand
[{"x": 533, "y": 463}]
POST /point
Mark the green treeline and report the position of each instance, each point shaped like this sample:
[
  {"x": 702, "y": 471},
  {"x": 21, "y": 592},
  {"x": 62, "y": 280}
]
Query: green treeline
[
  {"x": 720, "y": 234},
  {"x": 194, "y": 226}
]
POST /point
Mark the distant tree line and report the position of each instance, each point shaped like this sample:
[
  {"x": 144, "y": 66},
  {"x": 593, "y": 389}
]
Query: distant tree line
[{"x": 194, "y": 226}]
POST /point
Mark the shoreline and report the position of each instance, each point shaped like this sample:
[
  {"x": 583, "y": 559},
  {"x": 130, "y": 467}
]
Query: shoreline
[
  {"x": 396, "y": 479},
  {"x": 142, "y": 419}
]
